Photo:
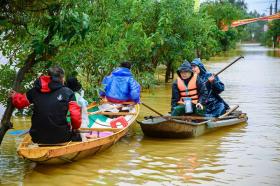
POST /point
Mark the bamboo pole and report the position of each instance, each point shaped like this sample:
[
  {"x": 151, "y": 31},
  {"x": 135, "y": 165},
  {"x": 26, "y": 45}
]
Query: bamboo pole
[
  {"x": 152, "y": 109},
  {"x": 228, "y": 65}
]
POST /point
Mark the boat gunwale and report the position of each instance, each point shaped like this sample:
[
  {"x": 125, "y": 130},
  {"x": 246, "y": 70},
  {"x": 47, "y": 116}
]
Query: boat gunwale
[
  {"x": 185, "y": 122},
  {"x": 90, "y": 144}
]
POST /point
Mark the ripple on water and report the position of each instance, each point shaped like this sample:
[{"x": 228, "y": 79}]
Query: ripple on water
[{"x": 246, "y": 154}]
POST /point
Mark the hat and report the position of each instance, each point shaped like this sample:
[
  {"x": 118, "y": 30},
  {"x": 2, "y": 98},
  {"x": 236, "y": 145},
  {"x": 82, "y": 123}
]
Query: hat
[
  {"x": 73, "y": 84},
  {"x": 186, "y": 67}
]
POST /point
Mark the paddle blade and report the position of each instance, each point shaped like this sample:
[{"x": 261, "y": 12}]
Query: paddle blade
[{"x": 18, "y": 132}]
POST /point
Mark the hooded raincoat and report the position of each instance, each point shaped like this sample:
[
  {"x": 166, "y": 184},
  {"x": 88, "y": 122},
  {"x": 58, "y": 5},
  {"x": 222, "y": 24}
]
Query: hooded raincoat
[
  {"x": 215, "y": 105},
  {"x": 52, "y": 102},
  {"x": 120, "y": 86},
  {"x": 201, "y": 88}
]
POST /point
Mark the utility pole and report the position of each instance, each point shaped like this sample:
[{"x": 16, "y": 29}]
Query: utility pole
[
  {"x": 275, "y": 38},
  {"x": 276, "y": 4},
  {"x": 271, "y": 9}
]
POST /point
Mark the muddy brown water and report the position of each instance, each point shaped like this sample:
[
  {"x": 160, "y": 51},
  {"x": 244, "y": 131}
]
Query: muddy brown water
[{"x": 246, "y": 154}]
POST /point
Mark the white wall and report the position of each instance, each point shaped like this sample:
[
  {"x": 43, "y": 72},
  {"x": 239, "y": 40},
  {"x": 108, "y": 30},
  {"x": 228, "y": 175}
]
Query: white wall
[{"x": 2, "y": 109}]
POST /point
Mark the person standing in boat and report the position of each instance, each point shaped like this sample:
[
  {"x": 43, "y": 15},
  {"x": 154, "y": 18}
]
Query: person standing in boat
[
  {"x": 120, "y": 86},
  {"x": 52, "y": 102},
  {"x": 188, "y": 86},
  {"x": 215, "y": 105}
]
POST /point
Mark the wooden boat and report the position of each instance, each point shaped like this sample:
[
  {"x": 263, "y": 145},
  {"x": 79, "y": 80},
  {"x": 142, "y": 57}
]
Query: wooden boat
[
  {"x": 100, "y": 136},
  {"x": 189, "y": 126}
]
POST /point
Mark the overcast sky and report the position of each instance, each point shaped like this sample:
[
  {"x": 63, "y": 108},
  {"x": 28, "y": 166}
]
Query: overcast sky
[{"x": 261, "y": 6}]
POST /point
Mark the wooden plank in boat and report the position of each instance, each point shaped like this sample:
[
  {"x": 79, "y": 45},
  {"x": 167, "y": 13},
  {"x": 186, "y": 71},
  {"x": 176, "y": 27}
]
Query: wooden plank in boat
[
  {"x": 101, "y": 129},
  {"x": 117, "y": 113}
]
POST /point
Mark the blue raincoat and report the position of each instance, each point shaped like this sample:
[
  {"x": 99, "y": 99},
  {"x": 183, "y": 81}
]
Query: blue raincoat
[
  {"x": 215, "y": 105},
  {"x": 121, "y": 86}
]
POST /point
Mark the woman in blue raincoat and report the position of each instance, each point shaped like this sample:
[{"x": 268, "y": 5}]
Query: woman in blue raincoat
[
  {"x": 215, "y": 105},
  {"x": 120, "y": 86}
]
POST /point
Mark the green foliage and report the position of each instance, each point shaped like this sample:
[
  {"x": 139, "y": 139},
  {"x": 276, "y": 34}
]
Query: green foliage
[
  {"x": 270, "y": 37},
  {"x": 91, "y": 38},
  {"x": 253, "y": 32},
  {"x": 5, "y": 81},
  {"x": 224, "y": 12},
  {"x": 40, "y": 29}
]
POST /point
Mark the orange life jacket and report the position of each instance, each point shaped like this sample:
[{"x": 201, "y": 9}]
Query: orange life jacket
[{"x": 190, "y": 91}]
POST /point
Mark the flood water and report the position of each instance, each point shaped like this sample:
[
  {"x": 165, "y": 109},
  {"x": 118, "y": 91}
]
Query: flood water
[{"x": 246, "y": 154}]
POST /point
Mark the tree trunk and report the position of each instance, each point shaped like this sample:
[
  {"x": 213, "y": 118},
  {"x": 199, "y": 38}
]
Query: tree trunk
[
  {"x": 172, "y": 73},
  {"x": 5, "y": 122},
  {"x": 31, "y": 60},
  {"x": 167, "y": 72},
  {"x": 198, "y": 53}
]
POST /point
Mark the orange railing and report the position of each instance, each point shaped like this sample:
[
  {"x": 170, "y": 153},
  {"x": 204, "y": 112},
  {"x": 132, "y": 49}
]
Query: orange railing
[{"x": 247, "y": 21}]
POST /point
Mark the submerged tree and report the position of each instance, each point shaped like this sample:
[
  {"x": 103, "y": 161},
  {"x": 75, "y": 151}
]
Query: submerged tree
[
  {"x": 32, "y": 33},
  {"x": 37, "y": 34}
]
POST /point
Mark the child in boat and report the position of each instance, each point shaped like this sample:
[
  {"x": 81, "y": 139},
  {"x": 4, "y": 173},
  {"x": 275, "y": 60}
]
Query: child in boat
[
  {"x": 189, "y": 86},
  {"x": 76, "y": 87},
  {"x": 215, "y": 105}
]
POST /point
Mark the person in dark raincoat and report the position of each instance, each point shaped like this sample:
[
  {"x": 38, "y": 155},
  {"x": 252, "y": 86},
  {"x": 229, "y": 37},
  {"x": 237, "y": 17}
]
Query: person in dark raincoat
[
  {"x": 215, "y": 105},
  {"x": 187, "y": 85},
  {"x": 56, "y": 113},
  {"x": 120, "y": 86}
]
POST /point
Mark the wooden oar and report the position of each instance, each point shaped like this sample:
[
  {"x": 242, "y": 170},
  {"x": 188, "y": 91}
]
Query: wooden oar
[
  {"x": 228, "y": 65},
  {"x": 104, "y": 110},
  {"x": 188, "y": 117},
  {"x": 223, "y": 69},
  {"x": 151, "y": 109},
  {"x": 94, "y": 104},
  {"x": 228, "y": 112},
  {"x": 18, "y": 132}
]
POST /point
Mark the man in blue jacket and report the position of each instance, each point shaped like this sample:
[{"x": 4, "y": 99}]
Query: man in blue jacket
[
  {"x": 215, "y": 105},
  {"x": 120, "y": 86}
]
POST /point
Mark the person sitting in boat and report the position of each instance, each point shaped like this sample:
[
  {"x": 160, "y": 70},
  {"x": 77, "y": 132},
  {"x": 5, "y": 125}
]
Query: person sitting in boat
[
  {"x": 76, "y": 87},
  {"x": 215, "y": 105},
  {"x": 188, "y": 86},
  {"x": 120, "y": 86},
  {"x": 52, "y": 102}
]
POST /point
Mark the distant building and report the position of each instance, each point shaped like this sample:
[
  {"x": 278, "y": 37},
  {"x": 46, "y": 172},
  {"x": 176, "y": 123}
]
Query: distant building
[
  {"x": 2, "y": 109},
  {"x": 265, "y": 28}
]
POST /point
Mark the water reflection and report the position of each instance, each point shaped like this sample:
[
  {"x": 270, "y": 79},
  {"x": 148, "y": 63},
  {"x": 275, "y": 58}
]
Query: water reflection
[
  {"x": 246, "y": 154},
  {"x": 139, "y": 160},
  {"x": 13, "y": 168}
]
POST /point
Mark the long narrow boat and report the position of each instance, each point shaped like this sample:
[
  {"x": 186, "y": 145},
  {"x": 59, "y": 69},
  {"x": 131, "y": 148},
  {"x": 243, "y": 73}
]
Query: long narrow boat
[
  {"x": 99, "y": 136},
  {"x": 188, "y": 126}
]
